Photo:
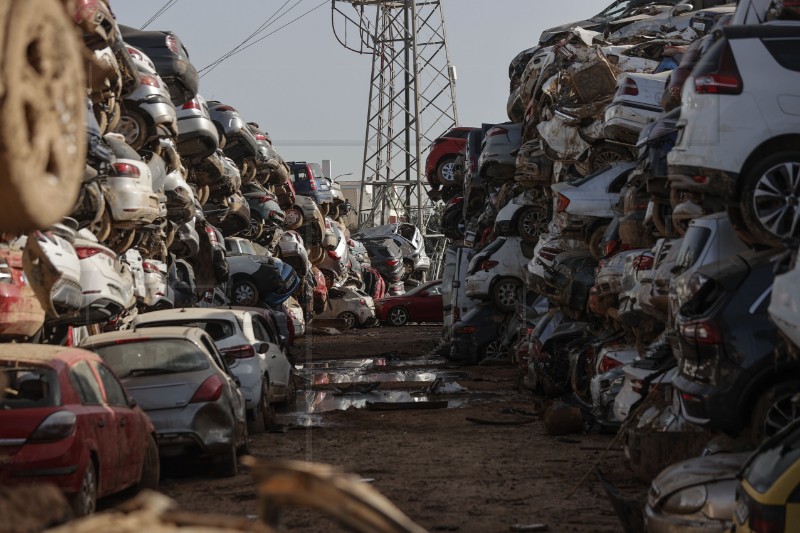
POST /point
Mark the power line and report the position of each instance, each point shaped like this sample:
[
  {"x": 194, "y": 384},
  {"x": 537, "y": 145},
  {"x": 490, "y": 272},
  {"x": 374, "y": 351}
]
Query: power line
[
  {"x": 264, "y": 25},
  {"x": 242, "y": 49},
  {"x": 158, "y": 13}
]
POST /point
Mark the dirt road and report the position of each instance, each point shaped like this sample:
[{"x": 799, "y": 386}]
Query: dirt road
[{"x": 446, "y": 472}]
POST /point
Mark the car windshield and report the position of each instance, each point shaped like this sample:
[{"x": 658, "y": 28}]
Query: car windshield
[
  {"x": 28, "y": 387},
  {"x": 773, "y": 462},
  {"x": 152, "y": 356},
  {"x": 216, "y": 329}
]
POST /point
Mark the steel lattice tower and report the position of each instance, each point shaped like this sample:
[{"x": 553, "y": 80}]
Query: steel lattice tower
[{"x": 411, "y": 99}]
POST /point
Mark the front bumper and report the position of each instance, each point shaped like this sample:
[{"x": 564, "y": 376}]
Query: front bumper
[{"x": 661, "y": 523}]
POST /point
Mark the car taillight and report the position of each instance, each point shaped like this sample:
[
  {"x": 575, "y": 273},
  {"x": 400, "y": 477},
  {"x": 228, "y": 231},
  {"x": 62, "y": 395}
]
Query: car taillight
[
  {"x": 726, "y": 80},
  {"x": 224, "y": 108},
  {"x": 150, "y": 81},
  {"x": 701, "y": 332},
  {"x": 263, "y": 199},
  {"x": 172, "y": 44},
  {"x": 362, "y": 301},
  {"x": 150, "y": 268},
  {"x": 607, "y": 363},
  {"x": 312, "y": 183},
  {"x": 5, "y": 272},
  {"x": 643, "y": 262},
  {"x": 212, "y": 236},
  {"x": 57, "y": 426},
  {"x": 244, "y": 351},
  {"x": 636, "y": 385},
  {"x": 209, "y": 391},
  {"x": 611, "y": 248},
  {"x": 135, "y": 53},
  {"x": 563, "y": 203},
  {"x": 466, "y": 330},
  {"x": 260, "y": 137},
  {"x": 549, "y": 253},
  {"x": 628, "y": 88},
  {"x": 125, "y": 170},
  {"x": 496, "y": 131},
  {"x": 85, "y": 252},
  {"x": 765, "y": 518},
  {"x": 488, "y": 265},
  {"x": 392, "y": 262},
  {"x": 194, "y": 103},
  {"x": 333, "y": 255}
]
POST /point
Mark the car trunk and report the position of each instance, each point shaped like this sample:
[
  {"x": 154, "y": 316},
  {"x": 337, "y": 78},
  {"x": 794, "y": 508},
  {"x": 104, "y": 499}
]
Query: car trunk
[{"x": 155, "y": 392}]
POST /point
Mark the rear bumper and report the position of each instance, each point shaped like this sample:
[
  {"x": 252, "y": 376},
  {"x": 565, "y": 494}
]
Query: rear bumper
[
  {"x": 62, "y": 463},
  {"x": 207, "y": 426},
  {"x": 703, "y": 180}
]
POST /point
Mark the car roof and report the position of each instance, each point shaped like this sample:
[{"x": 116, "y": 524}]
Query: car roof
[
  {"x": 167, "y": 332},
  {"x": 43, "y": 353},
  {"x": 188, "y": 313}
]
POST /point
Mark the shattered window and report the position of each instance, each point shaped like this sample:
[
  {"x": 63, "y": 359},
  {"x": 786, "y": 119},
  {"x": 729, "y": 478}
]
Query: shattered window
[{"x": 26, "y": 387}]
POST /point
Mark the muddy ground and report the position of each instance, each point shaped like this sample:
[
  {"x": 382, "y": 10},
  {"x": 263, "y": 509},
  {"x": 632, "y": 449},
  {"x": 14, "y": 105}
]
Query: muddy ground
[{"x": 444, "y": 471}]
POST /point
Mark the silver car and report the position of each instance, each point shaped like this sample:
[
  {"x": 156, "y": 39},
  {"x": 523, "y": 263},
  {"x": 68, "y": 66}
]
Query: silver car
[
  {"x": 498, "y": 159},
  {"x": 252, "y": 349},
  {"x": 178, "y": 377}
]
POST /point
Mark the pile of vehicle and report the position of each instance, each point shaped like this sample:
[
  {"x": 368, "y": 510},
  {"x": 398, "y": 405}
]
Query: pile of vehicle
[
  {"x": 629, "y": 239},
  {"x": 191, "y": 260}
]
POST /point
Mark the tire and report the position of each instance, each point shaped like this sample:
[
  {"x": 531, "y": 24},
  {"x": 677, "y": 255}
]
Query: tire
[
  {"x": 504, "y": 294},
  {"x": 492, "y": 351},
  {"x": 103, "y": 228},
  {"x": 531, "y": 223},
  {"x": 262, "y": 413},
  {"x": 227, "y": 464},
  {"x": 445, "y": 174},
  {"x": 350, "y": 318},
  {"x": 294, "y": 218},
  {"x": 43, "y": 106},
  {"x": 774, "y": 410},
  {"x": 605, "y": 154},
  {"x": 398, "y": 316},
  {"x": 245, "y": 293},
  {"x": 316, "y": 255},
  {"x": 595, "y": 242},
  {"x": 255, "y": 227},
  {"x": 770, "y": 199},
  {"x": 85, "y": 501},
  {"x": 324, "y": 209},
  {"x": 134, "y": 128},
  {"x": 291, "y": 392},
  {"x": 151, "y": 469},
  {"x": 120, "y": 240}
]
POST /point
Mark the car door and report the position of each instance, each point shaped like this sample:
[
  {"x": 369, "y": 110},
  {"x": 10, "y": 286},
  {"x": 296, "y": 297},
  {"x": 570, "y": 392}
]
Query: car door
[
  {"x": 278, "y": 366},
  {"x": 97, "y": 420},
  {"x": 432, "y": 309},
  {"x": 127, "y": 426}
]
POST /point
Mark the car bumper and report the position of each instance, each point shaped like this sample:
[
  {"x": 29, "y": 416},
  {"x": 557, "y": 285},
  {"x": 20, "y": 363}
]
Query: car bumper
[
  {"x": 702, "y": 180},
  {"x": 660, "y": 523},
  {"x": 197, "y": 136},
  {"x": 207, "y": 426},
  {"x": 61, "y": 463},
  {"x": 67, "y": 296},
  {"x": 624, "y": 121},
  {"x": 129, "y": 203},
  {"x": 464, "y": 348},
  {"x": 710, "y": 406},
  {"x": 20, "y": 312},
  {"x": 478, "y": 284},
  {"x": 574, "y": 226}
]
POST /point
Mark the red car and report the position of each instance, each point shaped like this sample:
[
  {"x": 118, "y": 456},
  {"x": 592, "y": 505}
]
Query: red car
[
  {"x": 21, "y": 315},
  {"x": 320, "y": 291},
  {"x": 442, "y": 155},
  {"x": 421, "y": 304},
  {"x": 66, "y": 419}
]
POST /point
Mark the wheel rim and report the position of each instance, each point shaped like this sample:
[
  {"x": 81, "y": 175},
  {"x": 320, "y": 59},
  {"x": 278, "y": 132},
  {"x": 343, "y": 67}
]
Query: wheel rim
[
  {"x": 253, "y": 230},
  {"x": 244, "y": 294},
  {"x": 493, "y": 350},
  {"x": 507, "y": 293},
  {"x": 349, "y": 318},
  {"x": 408, "y": 268},
  {"x": 398, "y": 316},
  {"x": 776, "y": 197},
  {"x": 782, "y": 411},
  {"x": 292, "y": 217},
  {"x": 605, "y": 158},
  {"x": 448, "y": 172},
  {"x": 88, "y": 491},
  {"x": 129, "y": 128},
  {"x": 534, "y": 223}
]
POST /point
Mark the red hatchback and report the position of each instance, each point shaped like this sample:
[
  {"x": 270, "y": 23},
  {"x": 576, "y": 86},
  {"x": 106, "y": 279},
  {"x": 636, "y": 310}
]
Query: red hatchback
[
  {"x": 66, "y": 419},
  {"x": 442, "y": 155},
  {"x": 421, "y": 304}
]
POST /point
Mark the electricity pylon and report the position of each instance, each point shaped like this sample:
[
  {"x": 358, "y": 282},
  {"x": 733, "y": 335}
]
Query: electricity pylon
[{"x": 411, "y": 99}]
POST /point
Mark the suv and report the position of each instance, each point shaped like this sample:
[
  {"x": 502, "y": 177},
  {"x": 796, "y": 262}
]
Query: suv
[
  {"x": 738, "y": 132},
  {"x": 442, "y": 155},
  {"x": 308, "y": 180}
]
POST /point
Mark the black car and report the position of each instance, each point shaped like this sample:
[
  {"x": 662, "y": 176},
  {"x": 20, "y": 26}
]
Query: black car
[
  {"x": 478, "y": 335},
  {"x": 386, "y": 257},
  {"x": 729, "y": 377},
  {"x": 309, "y": 180},
  {"x": 170, "y": 58}
]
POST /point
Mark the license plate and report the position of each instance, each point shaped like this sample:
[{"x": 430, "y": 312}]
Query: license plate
[
  {"x": 700, "y": 26},
  {"x": 742, "y": 512}
]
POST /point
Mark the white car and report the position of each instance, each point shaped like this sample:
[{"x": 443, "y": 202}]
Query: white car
[
  {"x": 636, "y": 103},
  {"x": 497, "y": 272},
  {"x": 784, "y": 307},
  {"x": 156, "y": 287},
  {"x": 129, "y": 189},
  {"x": 107, "y": 283},
  {"x": 583, "y": 207},
  {"x": 295, "y": 313},
  {"x": 736, "y": 142},
  {"x": 133, "y": 258},
  {"x": 631, "y": 391},
  {"x": 252, "y": 349},
  {"x": 352, "y": 305}
]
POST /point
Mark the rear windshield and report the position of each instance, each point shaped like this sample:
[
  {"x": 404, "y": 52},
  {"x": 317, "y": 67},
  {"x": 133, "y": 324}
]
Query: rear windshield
[
  {"x": 26, "y": 387},
  {"x": 216, "y": 329},
  {"x": 151, "y": 357},
  {"x": 773, "y": 462},
  {"x": 693, "y": 243}
]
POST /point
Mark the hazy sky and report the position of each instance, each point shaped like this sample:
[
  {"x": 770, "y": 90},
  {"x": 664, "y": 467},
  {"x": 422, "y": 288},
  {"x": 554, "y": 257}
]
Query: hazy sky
[{"x": 301, "y": 85}]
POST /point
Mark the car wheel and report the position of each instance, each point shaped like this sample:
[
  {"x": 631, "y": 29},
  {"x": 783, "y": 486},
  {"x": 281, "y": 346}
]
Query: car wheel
[
  {"x": 262, "y": 413},
  {"x": 255, "y": 227},
  {"x": 84, "y": 502},
  {"x": 531, "y": 223},
  {"x": 291, "y": 392},
  {"x": 324, "y": 209},
  {"x": 294, "y": 218},
  {"x": 120, "y": 240},
  {"x": 770, "y": 201},
  {"x": 151, "y": 469},
  {"x": 227, "y": 464},
  {"x": 774, "y": 411},
  {"x": 134, "y": 128},
  {"x": 605, "y": 154},
  {"x": 316, "y": 254},
  {"x": 398, "y": 316},
  {"x": 245, "y": 293},
  {"x": 492, "y": 350},
  {"x": 595, "y": 242},
  {"x": 351, "y": 320},
  {"x": 445, "y": 171},
  {"x": 504, "y": 294},
  {"x": 102, "y": 228}
]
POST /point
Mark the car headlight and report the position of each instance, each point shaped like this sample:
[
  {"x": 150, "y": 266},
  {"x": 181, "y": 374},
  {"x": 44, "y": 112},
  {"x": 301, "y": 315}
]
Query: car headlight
[{"x": 686, "y": 501}]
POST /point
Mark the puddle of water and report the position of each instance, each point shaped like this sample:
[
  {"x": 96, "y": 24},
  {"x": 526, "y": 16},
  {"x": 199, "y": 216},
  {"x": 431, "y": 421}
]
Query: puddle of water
[
  {"x": 426, "y": 376},
  {"x": 311, "y": 403}
]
